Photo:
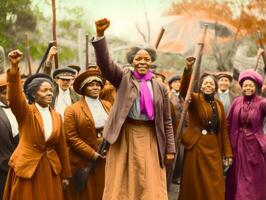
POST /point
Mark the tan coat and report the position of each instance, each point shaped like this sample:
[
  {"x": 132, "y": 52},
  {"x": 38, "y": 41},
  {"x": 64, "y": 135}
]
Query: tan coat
[
  {"x": 33, "y": 153},
  {"x": 81, "y": 136},
  {"x": 203, "y": 173}
]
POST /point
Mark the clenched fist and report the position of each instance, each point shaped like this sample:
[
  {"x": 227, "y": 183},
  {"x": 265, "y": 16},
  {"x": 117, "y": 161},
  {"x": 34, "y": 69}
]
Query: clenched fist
[
  {"x": 190, "y": 62},
  {"x": 15, "y": 57},
  {"x": 101, "y": 26}
]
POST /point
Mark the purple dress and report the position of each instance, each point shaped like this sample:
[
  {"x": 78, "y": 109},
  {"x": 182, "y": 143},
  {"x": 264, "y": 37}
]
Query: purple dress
[{"x": 246, "y": 178}]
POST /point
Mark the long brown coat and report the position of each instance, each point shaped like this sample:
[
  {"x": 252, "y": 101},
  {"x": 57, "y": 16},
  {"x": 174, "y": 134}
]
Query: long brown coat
[
  {"x": 36, "y": 165},
  {"x": 202, "y": 172},
  {"x": 127, "y": 91},
  {"x": 81, "y": 136}
]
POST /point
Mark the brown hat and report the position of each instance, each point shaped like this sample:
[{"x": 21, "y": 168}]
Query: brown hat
[
  {"x": 220, "y": 75},
  {"x": 93, "y": 74},
  {"x": 3, "y": 80}
]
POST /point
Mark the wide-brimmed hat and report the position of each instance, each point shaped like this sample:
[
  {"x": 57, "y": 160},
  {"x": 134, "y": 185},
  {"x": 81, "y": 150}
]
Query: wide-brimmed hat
[
  {"x": 251, "y": 75},
  {"x": 64, "y": 73},
  {"x": 3, "y": 80},
  {"x": 93, "y": 74},
  {"x": 220, "y": 75}
]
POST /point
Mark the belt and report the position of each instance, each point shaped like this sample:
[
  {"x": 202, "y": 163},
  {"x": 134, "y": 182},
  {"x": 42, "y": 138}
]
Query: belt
[{"x": 139, "y": 122}]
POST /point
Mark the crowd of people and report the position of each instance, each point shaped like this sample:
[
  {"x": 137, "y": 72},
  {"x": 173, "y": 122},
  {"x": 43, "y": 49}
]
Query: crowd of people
[{"x": 109, "y": 132}]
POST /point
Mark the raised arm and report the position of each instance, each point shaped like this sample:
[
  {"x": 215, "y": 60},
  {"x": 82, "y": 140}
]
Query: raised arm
[
  {"x": 48, "y": 63},
  {"x": 109, "y": 69},
  {"x": 186, "y": 76},
  {"x": 16, "y": 98}
]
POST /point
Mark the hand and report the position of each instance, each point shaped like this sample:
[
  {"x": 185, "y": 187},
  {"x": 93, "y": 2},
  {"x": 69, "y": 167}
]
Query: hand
[
  {"x": 190, "y": 62},
  {"x": 98, "y": 156},
  {"x": 260, "y": 51},
  {"x": 65, "y": 183},
  {"x": 52, "y": 53},
  {"x": 169, "y": 158},
  {"x": 15, "y": 57},
  {"x": 228, "y": 161},
  {"x": 101, "y": 26}
]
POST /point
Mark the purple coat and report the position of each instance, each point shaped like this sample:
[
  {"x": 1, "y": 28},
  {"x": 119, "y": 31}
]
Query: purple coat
[{"x": 246, "y": 178}]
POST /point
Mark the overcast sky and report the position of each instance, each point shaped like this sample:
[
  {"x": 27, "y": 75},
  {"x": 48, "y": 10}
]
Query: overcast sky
[{"x": 124, "y": 14}]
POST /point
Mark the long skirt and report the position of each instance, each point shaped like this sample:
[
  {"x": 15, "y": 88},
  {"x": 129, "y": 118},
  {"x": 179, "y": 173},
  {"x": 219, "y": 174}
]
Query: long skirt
[
  {"x": 133, "y": 169},
  {"x": 202, "y": 177},
  {"x": 246, "y": 178},
  {"x": 43, "y": 185}
]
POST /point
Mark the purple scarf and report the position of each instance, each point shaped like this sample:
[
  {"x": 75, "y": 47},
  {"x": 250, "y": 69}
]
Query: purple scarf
[{"x": 146, "y": 100}]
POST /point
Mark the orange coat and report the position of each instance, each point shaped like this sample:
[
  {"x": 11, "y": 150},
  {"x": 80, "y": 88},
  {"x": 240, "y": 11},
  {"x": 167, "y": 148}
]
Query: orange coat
[
  {"x": 202, "y": 177},
  {"x": 81, "y": 137},
  {"x": 34, "y": 157}
]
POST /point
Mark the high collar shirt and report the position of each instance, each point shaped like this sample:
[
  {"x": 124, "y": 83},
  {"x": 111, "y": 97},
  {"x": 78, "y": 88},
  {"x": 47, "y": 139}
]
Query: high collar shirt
[
  {"x": 62, "y": 101},
  {"x": 47, "y": 120},
  {"x": 97, "y": 110}
]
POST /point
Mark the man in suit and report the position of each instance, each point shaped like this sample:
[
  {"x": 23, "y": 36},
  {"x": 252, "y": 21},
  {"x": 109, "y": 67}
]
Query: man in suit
[
  {"x": 64, "y": 95},
  {"x": 8, "y": 133}
]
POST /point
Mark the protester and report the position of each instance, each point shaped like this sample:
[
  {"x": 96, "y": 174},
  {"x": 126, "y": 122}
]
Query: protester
[
  {"x": 84, "y": 122},
  {"x": 39, "y": 167},
  {"x": 8, "y": 133},
  {"x": 139, "y": 126},
  {"x": 224, "y": 94},
  {"x": 246, "y": 178},
  {"x": 64, "y": 95},
  {"x": 206, "y": 141},
  {"x": 177, "y": 106}
]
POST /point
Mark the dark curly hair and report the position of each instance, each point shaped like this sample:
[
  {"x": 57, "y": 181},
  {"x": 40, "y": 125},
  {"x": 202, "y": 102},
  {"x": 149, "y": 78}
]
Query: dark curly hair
[{"x": 133, "y": 51}]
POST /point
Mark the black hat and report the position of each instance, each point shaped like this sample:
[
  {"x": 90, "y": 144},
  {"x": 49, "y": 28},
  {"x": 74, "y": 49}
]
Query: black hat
[
  {"x": 174, "y": 78},
  {"x": 38, "y": 75},
  {"x": 75, "y": 67},
  {"x": 64, "y": 72}
]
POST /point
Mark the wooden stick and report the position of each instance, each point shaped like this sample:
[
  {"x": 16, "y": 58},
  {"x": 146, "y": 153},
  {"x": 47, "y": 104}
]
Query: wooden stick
[
  {"x": 87, "y": 52},
  {"x": 259, "y": 35},
  {"x": 259, "y": 54},
  {"x": 159, "y": 38},
  {"x": 28, "y": 53},
  {"x": 54, "y": 31}
]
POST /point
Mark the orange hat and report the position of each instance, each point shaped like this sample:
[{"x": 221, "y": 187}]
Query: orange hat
[{"x": 3, "y": 80}]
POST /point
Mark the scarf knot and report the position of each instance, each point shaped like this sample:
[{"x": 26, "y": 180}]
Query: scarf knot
[{"x": 146, "y": 99}]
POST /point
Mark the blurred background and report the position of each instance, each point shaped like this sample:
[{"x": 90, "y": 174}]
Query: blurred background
[{"x": 231, "y": 41}]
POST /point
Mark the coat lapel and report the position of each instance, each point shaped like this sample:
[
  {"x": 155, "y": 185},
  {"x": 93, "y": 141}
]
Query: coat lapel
[
  {"x": 87, "y": 111},
  {"x": 38, "y": 116},
  {"x": 155, "y": 90},
  {"x": 55, "y": 125}
]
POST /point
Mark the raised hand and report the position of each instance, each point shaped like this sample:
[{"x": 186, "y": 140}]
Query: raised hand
[
  {"x": 190, "y": 62},
  {"x": 52, "y": 53},
  {"x": 101, "y": 26},
  {"x": 15, "y": 57}
]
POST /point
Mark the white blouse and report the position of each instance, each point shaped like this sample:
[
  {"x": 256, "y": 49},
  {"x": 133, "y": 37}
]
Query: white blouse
[{"x": 47, "y": 121}]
